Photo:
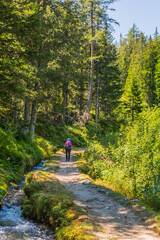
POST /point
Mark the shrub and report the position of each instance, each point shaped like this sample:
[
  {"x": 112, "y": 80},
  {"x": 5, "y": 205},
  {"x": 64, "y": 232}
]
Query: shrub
[{"x": 132, "y": 165}]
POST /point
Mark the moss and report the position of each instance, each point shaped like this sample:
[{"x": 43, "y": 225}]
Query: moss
[
  {"x": 47, "y": 201},
  {"x": 18, "y": 154},
  {"x": 78, "y": 229}
]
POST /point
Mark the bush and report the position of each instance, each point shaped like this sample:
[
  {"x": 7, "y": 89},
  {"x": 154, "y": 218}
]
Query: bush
[{"x": 132, "y": 165}]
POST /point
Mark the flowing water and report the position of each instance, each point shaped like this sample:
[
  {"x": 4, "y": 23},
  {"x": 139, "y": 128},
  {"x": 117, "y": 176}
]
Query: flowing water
[{"x": 13, "y": 225}]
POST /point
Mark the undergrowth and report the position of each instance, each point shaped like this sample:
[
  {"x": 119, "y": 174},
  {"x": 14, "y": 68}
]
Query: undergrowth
[
  {"x": 131, "y": 165},
  {"x": 59, "y": 133},
  {"x": 18, "y": 154}
]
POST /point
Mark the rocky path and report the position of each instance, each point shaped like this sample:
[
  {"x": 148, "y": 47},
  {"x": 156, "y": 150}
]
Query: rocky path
[{"x": 116, "y": 221}]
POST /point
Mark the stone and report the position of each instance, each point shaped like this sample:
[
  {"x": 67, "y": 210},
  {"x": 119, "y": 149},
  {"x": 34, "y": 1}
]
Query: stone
[
  {"x": 86, "y": 181},
  {"x": 49, "y": 167}
]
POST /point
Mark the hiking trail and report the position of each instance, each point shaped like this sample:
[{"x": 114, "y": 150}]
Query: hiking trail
[{"x": 116, "y": 221}]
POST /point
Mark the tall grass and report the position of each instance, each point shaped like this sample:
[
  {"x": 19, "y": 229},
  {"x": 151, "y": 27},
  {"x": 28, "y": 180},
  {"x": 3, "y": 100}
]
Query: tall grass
[{"x": 132, "y": 165}]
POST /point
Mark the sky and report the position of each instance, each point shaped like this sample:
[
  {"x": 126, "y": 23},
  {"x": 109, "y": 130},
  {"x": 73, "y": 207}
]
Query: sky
[{"x": 144, "y": 13}]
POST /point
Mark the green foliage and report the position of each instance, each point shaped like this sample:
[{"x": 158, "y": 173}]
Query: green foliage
[
  {"x": 138, "y": 155},
  {"x": 45, "y": 146},
  {"x": 58, "y": 133},
  {"x": 131, "y": 100},
  {"x": 106, "y": 133},
  {"x": 45, "y": 61},
  {"x": 157, "y": 80},
  {"x": 96, "y": 157},
  {"x": 131, "y": 166},
  {"x": 138, "y": 60},
  {"x": 100, "y": 165},
  {"x": 19, "y": 153}
]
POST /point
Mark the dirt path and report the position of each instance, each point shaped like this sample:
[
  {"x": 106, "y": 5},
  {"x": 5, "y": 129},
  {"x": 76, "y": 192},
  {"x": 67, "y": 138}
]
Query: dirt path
[{"x": 118, "y": 222}]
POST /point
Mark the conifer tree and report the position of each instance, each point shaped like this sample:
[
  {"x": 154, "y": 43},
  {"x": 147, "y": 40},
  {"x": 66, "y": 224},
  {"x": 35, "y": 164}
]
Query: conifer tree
[
  {"x": 149, "y": 62},
  {"x": 46, "y": 57},
  {"x": 133, "y": 90},
  {"x": 97, "y": 13}
]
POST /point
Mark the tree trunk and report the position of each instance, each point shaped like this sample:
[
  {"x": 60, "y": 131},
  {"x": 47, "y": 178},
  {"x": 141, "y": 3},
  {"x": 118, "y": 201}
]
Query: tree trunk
[
  {"x": 81, "y": 97},
  {"x": 27, "y": 113},
  {"x": 33, "y": 115},
  {"x": 76, "y": 97},
  {"x": 35, "y": 101},
  {"x": 65, "y": 100},
  {"x": 26, "y": 116},
  {"x": 33, "y": 119},
  {"x": 97, "y": 93},
  {"x": 81, "y": 104},
  {"x": 97, "y": 105},
  {"x": 15, "y": 113},
  {"x": 92, "y": 64}
]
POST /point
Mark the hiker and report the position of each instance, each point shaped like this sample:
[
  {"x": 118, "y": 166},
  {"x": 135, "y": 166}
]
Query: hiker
[{"x": 68, "y": 147}]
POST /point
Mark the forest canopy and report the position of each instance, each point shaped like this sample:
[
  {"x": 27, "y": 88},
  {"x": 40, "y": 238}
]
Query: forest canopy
[{"x": 58, "y": 61}]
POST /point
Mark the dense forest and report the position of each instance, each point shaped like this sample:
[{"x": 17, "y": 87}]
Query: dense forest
[
  {"x": 61, "y": 74},
  {"x": 47, "y": 67}
]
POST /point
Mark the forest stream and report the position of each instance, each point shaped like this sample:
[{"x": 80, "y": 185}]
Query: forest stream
[{"x": 13, "y": 226}]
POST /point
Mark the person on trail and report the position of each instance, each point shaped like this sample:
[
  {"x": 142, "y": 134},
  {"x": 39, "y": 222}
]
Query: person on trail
[{"x": 68, "y": 147}]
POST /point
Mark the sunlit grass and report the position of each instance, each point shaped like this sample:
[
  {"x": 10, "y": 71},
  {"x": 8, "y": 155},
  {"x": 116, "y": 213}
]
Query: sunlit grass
[
  {"x": 116, "y": 185},
  {"x": 48, "y": 201}
]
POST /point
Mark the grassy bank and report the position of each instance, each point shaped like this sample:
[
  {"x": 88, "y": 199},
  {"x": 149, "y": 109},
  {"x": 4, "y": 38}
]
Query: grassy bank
[
  {"x": 47, "y": 201},
  {"x": 18, "y": 154}
]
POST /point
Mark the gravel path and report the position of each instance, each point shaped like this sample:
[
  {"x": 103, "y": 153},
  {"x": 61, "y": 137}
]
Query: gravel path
[{"x": 117, "y": 221}]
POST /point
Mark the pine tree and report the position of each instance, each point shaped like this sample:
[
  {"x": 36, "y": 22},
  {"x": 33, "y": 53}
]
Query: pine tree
[
  {"x": 46, "y": 59},
  {"x": 149, "y": 62},
  {"x": 131, "y": 100},
  {"x": 97, "y": 13},
  {"x": 133, "y": 91}
]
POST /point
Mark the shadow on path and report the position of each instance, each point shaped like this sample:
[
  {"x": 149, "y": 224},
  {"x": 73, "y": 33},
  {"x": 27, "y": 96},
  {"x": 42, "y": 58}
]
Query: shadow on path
[{"x": 118, "y": 221}]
